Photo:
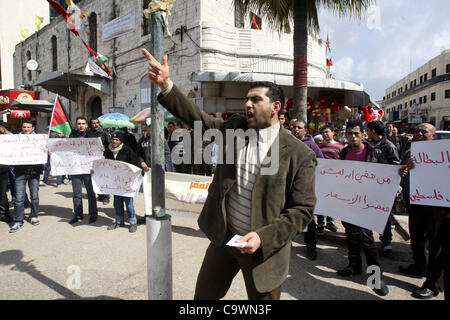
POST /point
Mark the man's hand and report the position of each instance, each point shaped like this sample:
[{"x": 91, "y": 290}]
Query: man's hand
[
  {"x": 102, "y": 148},
  {"x": 158, "y": 73},
  {"x": 403, "y": 171},
  {"x": 145, "y": 167},
  {"x": 253, "y": 243}
]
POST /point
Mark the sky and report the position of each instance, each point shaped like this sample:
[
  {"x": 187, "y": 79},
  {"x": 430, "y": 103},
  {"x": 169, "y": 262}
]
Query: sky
[{"x": 392, "y": 39}]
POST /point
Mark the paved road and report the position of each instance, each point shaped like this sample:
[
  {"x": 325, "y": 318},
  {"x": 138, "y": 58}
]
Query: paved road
[{"x": 38, "y": 261}]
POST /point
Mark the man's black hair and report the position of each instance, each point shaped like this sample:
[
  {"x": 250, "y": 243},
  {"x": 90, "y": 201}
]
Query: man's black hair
[
  {"x": 378, "y": 126},
  {"x": 327, "y": 126},
  {"x": 80, "y": 118},
  {"x": 353, "y": 124},
  {"x": 171, "y": 122},
  {"x": 27, "y": 121},
  {"x": 275, "y": 93}
]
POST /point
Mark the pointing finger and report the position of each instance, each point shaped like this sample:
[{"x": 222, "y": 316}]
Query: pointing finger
[{"x": 148, "y": 55}]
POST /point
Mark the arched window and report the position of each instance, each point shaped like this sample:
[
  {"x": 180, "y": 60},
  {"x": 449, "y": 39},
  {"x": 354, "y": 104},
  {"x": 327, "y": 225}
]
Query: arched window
[
  {"x": 54, "y": 54},
  {"x": 29, "y": 71},
  {"x": 93, "y": 31}
]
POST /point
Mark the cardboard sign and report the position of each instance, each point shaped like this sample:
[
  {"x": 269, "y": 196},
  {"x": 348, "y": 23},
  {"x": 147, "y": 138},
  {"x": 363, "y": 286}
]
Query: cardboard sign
[
  {"x": 360, "y": 193},
  {"x": 23, "y": 149},
  {"x": 430, "y": 178},
  {"x": 185, "y": 193},
  {"x": 74, "y": 156},
  {"x": 116, "y": 178}
]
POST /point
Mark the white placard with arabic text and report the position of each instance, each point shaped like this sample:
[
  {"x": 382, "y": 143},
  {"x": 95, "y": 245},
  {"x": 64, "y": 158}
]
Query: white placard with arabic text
[
  {"x": 23, "y": 149},
  {"x": 360, "y": 193},
  {"x": 116, "y": 178},
  {"x": 430, "y": 178},
  {"x": 74, "y": 156}
]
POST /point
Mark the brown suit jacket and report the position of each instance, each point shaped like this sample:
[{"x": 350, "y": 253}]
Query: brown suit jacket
[{"x": 282, "y": 203}]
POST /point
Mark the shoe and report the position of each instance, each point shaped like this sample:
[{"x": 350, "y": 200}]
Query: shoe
[
  {"x": 105, "y": 201},
  {"x": 92, "y": 219},
  {"x": 6, "y": 218},
  {"x": 34, "y": 221},
  {"x": 42, "y": 183},
  {"x": 383, "y": 290},
  {"x": 66, "y": 181},
  {"x": 15, "y": 227},
  {"x": 142, "y": 220},
  {"x": 75, "y": 220},
  {"x": 58, "y": 186},
  {"x": 332, "y": 227},
  {"x": 116, "y": 225},
  {"x": 349, "y": 271},
  {"x": 411, "y": 271},
  {"x": 425, "y": 293},
  {"x": 311, "y": 253},
  {"x": 133, "y": 228},
  {"x": 320, "y": 229}
]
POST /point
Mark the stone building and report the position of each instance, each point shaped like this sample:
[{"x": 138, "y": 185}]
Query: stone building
[
  {"x": 422, "y": 96},
  {"x": 214, "y": 53}
]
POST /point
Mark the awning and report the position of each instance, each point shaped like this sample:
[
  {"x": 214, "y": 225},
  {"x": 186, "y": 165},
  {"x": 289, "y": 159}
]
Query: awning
[
  {"x": 32, "y": 105},
  {"x": 282, "y": 80},
  {"x": 354, "y": 92},
  {"x": 67, "y": 84}
]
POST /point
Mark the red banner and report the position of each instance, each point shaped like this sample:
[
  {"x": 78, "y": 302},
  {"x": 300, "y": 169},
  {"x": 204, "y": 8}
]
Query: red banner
[
  {"x": 8, "y": 96},
  {"x": 20, "y": 114}
]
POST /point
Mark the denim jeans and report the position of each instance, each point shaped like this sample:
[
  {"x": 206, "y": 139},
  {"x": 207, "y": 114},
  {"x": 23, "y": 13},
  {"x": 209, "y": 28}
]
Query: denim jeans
[
  {"x": 321, "y": 220},
  {"x": 19, "y": 205},
  {"x": 46, "y": 170},
  {"x": 77, "y": 185},
  {"x": 59, "y": 180},
  {"x": 118, "y": 206}
]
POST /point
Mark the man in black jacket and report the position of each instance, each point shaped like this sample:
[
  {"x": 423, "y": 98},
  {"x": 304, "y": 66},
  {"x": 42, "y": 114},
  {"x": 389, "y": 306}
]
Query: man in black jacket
[
  {"x": 377, "y": 136},
  {"x": 95, "y": 128},
  {"x": 78, "y": 180},
  {"x": 119, "y": 151},
  {"x": 26, "y": 174},
  {"x": 357, "y": 237}
]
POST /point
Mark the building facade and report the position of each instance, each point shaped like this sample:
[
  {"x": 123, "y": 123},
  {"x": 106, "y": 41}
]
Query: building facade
[
  {"x": 422, "y": 96},
  {"x": 214, "y": 53}
]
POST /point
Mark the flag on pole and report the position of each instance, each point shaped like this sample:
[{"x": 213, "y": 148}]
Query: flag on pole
[
  {"x": 254, "y": 23},
  {"x": 328, "y": 44},
  {"x": 39, "y": 22},
  {"x": 59, "y": 122},
  {"x": 24, "y": 33},
  {"x": 329, "y": 62}
]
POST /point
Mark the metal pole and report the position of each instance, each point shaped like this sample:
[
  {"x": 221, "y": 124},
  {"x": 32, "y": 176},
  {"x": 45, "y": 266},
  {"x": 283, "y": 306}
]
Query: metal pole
[{"x": 159, "y": 229}]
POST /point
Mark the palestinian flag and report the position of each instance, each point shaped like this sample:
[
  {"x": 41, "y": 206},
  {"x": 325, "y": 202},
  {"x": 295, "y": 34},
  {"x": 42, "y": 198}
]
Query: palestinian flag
[
  {"x": 59, "y": 122},
  {"x": 328, "y": 44}
]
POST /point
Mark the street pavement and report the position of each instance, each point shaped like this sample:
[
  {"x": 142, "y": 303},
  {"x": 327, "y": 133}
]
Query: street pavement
[{"x": 41, "y": 262}]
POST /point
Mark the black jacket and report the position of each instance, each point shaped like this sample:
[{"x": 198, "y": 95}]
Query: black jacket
[
  {"x": 144, "y": 152},
  {"x": 389, "y": 150},
  {"x": 106, "y": 138},
  {"x": 373, "y": 155},
  {"x": 126, "y": 154},
  {"x": 84, "y": 134}
]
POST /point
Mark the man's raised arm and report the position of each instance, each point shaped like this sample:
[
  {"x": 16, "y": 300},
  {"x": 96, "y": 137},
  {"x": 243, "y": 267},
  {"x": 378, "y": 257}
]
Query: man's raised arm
[{"x": 173, "y": 100}]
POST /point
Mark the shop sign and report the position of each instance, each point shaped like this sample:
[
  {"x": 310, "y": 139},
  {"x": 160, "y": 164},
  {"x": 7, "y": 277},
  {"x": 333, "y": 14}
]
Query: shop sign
[{"x": 8, "y": 96}]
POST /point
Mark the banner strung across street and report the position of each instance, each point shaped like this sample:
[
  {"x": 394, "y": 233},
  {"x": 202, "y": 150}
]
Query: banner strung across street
[
  {"x": 360, "y": 193},
  {"x": 116, "y": 178},
  {"x": 74, "y": 156},
  {"x": 23, "y": 149},
  {"x": 430, "y": 178},
  {"x": 185, "y": 193}
]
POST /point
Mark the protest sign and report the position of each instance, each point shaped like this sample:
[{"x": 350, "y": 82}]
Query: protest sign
[
  {"x": 430, "y": 178},
  {"x": 23, "y": 149},
  {"x": 185, "y": 193},
  {"x": 74, "y": 156},
  {"x": 360, "y": 193},
  {"x": 116, "y": 178}
]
